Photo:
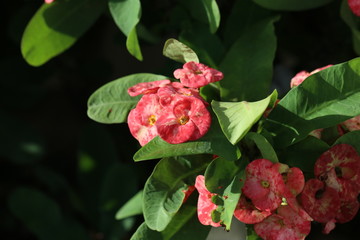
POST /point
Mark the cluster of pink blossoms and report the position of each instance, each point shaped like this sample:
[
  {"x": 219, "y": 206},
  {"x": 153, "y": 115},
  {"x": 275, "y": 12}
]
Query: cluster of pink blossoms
[
  {"x": 351, "y": 124},
  {"x": 276, "y": 199},
  {"x": 354, "y": 6},
  {"x": 175, "y": 111}
]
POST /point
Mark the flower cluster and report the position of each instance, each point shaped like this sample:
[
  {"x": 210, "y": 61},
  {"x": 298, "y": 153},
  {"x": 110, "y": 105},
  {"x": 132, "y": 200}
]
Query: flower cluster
[
  {"x": 332, "y": 196},
  {"x": 354, "y": 7},
  {"x": 276, "y": 199},
  {"x": 175, "y": 111}
]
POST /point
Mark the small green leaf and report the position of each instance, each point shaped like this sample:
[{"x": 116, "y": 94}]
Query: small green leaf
[
  {"x": 214, "y": 142},
  {"x": 131, "y": 208},
  {"x": 163, "y": 192},
  {"x": 266, "y": 149},
  {"x": 111, "y": 103},
  {"x": 323, "y": 100},
  {"x": 178, "y": 51},
  {"x": 56, "y": 27},
  {"x": 237, "y": 118},
  {"x": 351, "y": 138},
  {"x": 248, "y": 65},
  {"x": 126, "y": 14},
  {"x": 292, "y": 5},
  {"x": 251, "y": 234},
  {"x": 213, "y": 14}
]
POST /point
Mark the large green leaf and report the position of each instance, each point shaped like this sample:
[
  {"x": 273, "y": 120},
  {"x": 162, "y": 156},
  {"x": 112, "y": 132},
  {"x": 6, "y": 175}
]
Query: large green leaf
[
  {"x": 214, "y": 142},
  {"x": 226, "y": 178},
  {"x": 111, "y": 103},
  {"x": 163, "y": 192},
  {"x": 43, "y": 216},
  {"x": 292, "y": 5},
  {"x": 353, "y": 22},
  {"x": 126, "y": 14},
  {"x": 237, "y": 118},
  {"x": 178, "y": 51},
  {"x": 213, "y": 14},
  {"x": 131, "y": 208},
  {"x": 248, "y": 65},
  {"x": 322, "y": 100},
  {"x": 184, "y": 225},
  {"x": 56, "y": 27}
]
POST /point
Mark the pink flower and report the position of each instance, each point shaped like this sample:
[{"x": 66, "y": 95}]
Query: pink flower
[
  {"x": 49, "y": 1},
  {"x": 142, "y": 119},
  {"x": 185, "y": 119},
  {"x": 205, "y": 205},
  {"x": 188, "y": 192},
  {"x": 285, "y": 224},
  {"x": 352, "y": 124},
  {"x": 197, "y": 75},
  {"x": 355, "y": 6},
  {"x": 301, "y": 76},
  {"x": 147, "y": 87},
  {"x": 340, "y": 169},
  {"x": 247, "y": 213},
  {"x": 263, "y": 185},
  {"x": 321, "y": 202}
]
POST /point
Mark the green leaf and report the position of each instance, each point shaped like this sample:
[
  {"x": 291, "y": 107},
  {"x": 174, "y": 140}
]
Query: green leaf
[
  {"x": 226, "y": 178},
  {"x": 111, "y": 103},
  {"x": 131, "y": 208},
  {"x": 42, "y": 216},
  {"x": 214, "y": 142},
  {"x": 126, "y": 14},
  {"x": 304, "y": 154},
  {"x": 178, "y": 51},
  {"x": 213, "y": 14},
  {"x": 56, "y": 27},
  {"x": 351, "y": 138},
  {"x": 237, "y": 118},
  {"x": 353, "y": 22},
  {"x": 266, "y": 149},
  {"x": 248, "y": 64},
  {"x": 292, "y": 5},
  {"x": 250, "y": 233},
  {"x": 184, "y": 225},
  {"x": 163, "y": 192},
  {"x": 323, "y": 100}
]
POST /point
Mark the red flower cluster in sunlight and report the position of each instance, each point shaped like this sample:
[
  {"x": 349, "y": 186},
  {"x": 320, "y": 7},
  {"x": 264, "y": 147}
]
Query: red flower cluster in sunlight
[
  {"x": 332, "y": 197},
  {"x": 174, "y": 111}
]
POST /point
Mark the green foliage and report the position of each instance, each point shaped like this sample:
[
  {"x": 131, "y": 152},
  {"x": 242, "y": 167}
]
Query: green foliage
[
  {"x": 164, "y": 189},
  {"x": 292, "y": 5},
  {"x": 265, "y": 148},
  {"x": 131, "y": 208},
  {"x": 237, "y": 118},
  {"x": 324, "y": 99},
  {"x": 213, "y": 14},
  {"x": 353, "y": 22},
  {"x": 56, "y": 27},
  {"x": 126, "y": 14},
  {"x": 111, "y": 103},
  {"x": 351, "y": 138},
  {"x": 178, "y": 51}
]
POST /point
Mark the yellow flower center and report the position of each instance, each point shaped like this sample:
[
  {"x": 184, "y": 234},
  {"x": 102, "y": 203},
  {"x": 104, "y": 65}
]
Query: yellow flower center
[
  {"x": 265, "y": 184},
  {"x": 183, "y": 120},
  {"x": 152, "y": 120}
]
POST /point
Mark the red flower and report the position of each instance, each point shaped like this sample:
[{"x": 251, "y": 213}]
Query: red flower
[
  {"x": 286, "y": 224},
  {"x": 352, "y": 124},
  {"x": 263, "y": 185},
  {"x": 321, "y": 202},
  {"x": 205, "y": 206},
  {"x": 147, "y": 87},
  {"x": 355, "y": 6},
  {"x": 142, "y": 119},
  {"x": 340, "y": 168},
  {"x": 247, "y": 213},
  {"x": 185, "y": 119},
  {"x": 188, "y": 192},
  {"x": 197, "y": 75}
]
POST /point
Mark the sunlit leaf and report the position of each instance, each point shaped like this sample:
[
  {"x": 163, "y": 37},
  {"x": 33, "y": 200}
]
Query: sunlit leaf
[
  {"x": 56, "y": 27},
  {"x": 163, "y": 192},
  {"x": 323, "y": 100},
  {"x": 213, "y": 14},
  {"x": 178, "y": 51},
  {"x": 111, "y": 103},
  {"x": 292, "y": 5},
  {"x": 237, "y": 118}
]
